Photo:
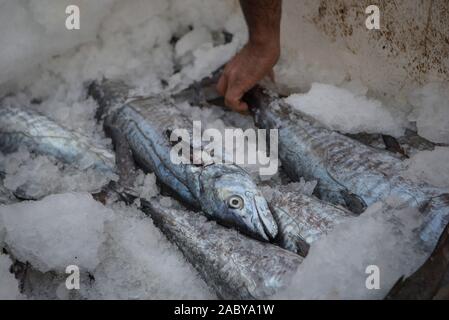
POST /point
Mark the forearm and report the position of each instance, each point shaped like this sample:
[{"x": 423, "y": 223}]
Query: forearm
[
  {"x": 264, "y": 21},
  {"x": 257, "y": 58}
]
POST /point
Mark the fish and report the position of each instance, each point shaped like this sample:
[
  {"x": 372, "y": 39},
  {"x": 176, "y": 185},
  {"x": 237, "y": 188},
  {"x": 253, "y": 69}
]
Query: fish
[
  {"x": 303, "y": 219},
  {"x": 431, "y": 280},
  {"x": 349, "y": 173},
  {"x": 25, "y": 128},
  {"x": 224, "y": 192},
  {"x": 232, "y": 264}
]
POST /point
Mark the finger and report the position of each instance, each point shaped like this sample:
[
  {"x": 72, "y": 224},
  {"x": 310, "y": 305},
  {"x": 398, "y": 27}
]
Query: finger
[
  {"x": 239, "y": 106},
  {"x": 233, "y": 99},
  {"x": 243, "y": 108},
  {"x": 222, "y": 85}
]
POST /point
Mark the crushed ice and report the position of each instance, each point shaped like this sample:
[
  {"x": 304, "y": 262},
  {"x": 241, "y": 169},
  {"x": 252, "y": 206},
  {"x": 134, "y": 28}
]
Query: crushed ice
[{"x": 120, "y": 248}]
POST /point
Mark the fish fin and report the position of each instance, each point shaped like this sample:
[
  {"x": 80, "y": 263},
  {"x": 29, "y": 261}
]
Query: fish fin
[
  {"x": 353, "y": 202},
  {"x": 393, "y": 145},
  {"x": 301, "y": 246},
  {"x": 341, "y": 197}
]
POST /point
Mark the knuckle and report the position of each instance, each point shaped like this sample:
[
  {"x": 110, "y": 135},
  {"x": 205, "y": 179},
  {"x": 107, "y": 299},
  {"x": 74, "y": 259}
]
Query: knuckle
[
  {"x": 232, "y": 73},
  {"x": 231, "y": 101}
]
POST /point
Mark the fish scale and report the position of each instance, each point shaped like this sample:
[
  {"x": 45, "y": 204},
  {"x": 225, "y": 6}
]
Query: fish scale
[{"x": 301, "y": 216}]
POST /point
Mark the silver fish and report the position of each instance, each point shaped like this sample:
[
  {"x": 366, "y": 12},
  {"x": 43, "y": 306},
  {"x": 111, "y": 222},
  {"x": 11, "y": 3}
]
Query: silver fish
[
  {"x": 303, "y": 219},
  {"x": 225, "y": 192},
  {"x": 235, "y": 266},
  {"x": 349, "y": 173},
  {"x": 23, "y": 127}
]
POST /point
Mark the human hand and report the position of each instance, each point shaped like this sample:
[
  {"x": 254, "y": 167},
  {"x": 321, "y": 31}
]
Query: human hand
[{"x": 244, "y": 70}]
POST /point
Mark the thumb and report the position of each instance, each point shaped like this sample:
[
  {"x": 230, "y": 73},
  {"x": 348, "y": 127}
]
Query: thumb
[{"x": 222, "y": 85}]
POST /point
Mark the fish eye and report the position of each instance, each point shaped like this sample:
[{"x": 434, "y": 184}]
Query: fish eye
[{"x": 235, "y": 202}]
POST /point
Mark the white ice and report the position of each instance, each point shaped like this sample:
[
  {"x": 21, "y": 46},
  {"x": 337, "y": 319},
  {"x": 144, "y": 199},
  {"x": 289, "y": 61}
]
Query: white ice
[
  {"x": 345, "y": 111},
  {"x": 431, "y": 111},
  {"x": 126, "y": 254},
  {"x": 37, "y": 175},
  {"x": 145, "y": 185},
  {"x": 56, "y": 232},
  {"x": 9, "y": 286},
  {"x": 431, "y": 167}
]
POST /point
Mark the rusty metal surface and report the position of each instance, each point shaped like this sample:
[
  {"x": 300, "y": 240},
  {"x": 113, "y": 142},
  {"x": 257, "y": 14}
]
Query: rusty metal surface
[
  {"x": 410, "y": 49},
  {"x": 418, "y": 31}
]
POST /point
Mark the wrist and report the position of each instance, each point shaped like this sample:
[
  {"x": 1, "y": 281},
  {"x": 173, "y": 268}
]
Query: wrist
[
  {"x": 266, "y": 46},
  {"x": 265, "y": 39}
]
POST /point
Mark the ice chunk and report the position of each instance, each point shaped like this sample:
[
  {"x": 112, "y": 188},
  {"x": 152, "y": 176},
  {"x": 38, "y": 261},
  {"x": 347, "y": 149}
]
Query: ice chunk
[
  {"x": 431, "y": 111},
  {"x": 431, "y": 167},
  {"x": 347, "y": 112},
  {"x": 166, "y": 202},
  {"x": 138, "y": 262},
  {"x": 35, "y": 176},
  {"x": 193, "y": 39},
  {"x": 58, "y": 231},
  {"x": 145, "y": 185},
  {"x": 9, "y": 286}
]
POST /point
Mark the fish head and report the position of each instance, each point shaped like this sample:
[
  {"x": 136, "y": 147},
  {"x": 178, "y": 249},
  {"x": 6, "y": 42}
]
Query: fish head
[{"x": 234, "y": 200}]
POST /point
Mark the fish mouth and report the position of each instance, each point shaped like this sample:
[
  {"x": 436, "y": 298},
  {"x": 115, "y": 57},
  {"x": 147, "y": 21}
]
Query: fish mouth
[{"x": 266, "y": 227}]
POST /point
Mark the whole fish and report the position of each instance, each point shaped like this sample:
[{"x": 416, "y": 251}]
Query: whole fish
[
  {"x": 23, "y": 127},
  {"x": 303, "y": 219},
  {"x": 224, "y": 192},
  {"x": 235, "y": 266},
  {"x": 349, "y": 173}
]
